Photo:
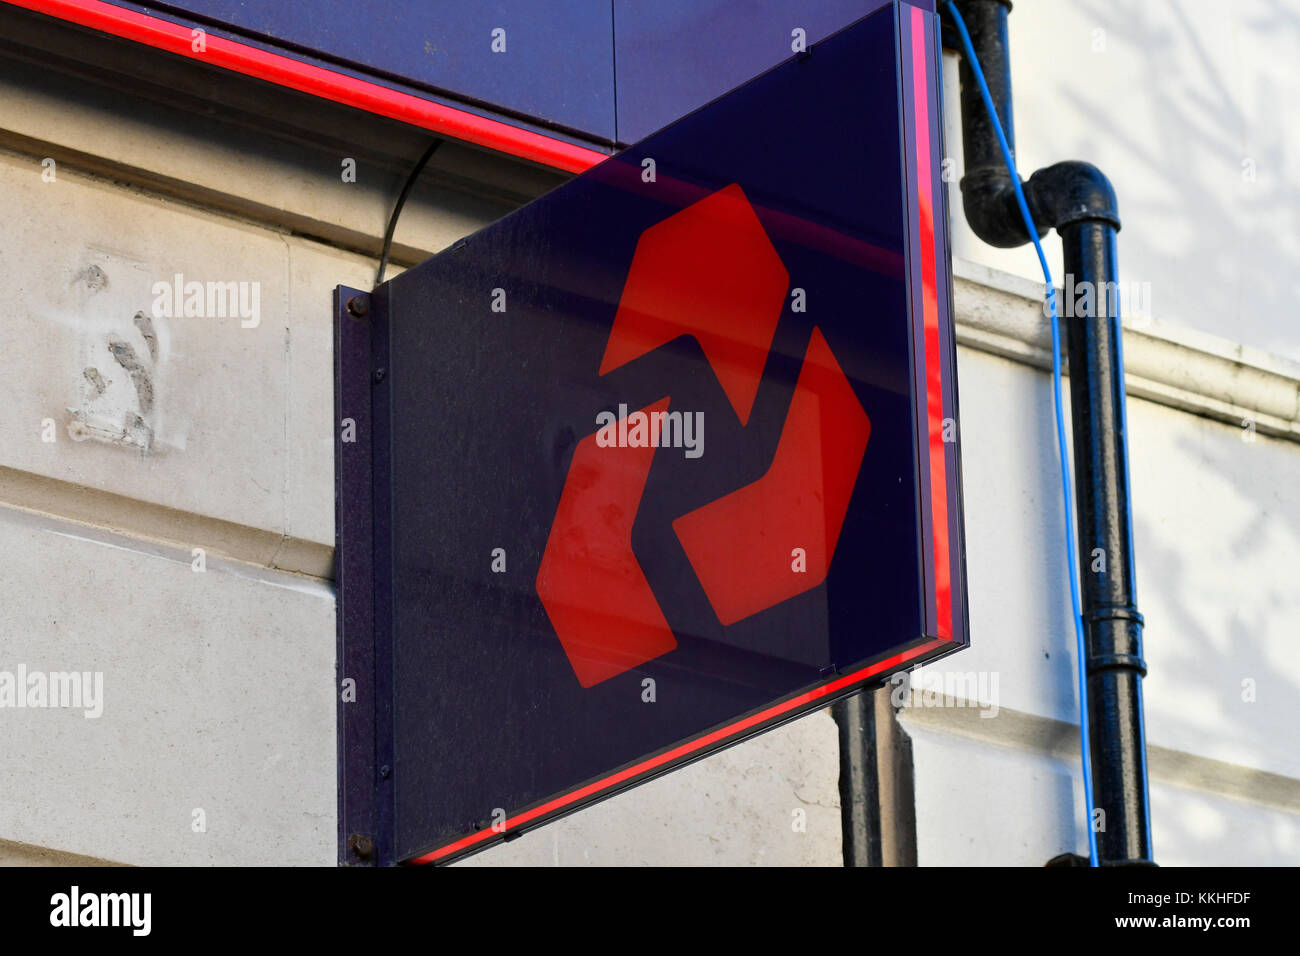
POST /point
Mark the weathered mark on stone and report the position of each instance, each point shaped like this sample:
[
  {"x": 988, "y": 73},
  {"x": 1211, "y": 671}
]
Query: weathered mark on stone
[
  {"x": 145, "y": 325},
  {"x": 133, "y": 430},
  {"x": 94, "y": 278},
  {"x": 136, "y": 431},
  {"x": 95, "y": 379},
  {"x": 126, "y": 357},
  {"x": 77, "y": 429}
]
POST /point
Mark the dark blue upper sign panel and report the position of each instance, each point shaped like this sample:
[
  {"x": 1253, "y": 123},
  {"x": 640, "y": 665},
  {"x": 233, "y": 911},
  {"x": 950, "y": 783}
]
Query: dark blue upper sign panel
[
  {"x": 659, "y": 460},
  {"x": 551, "y": 62}
]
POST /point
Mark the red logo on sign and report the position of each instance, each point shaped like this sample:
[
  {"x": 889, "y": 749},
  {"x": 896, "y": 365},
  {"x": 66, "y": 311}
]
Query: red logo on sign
[{"x": 711, "y": 272}]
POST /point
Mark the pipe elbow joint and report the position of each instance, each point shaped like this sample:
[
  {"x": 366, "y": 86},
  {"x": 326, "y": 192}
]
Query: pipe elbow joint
[
  {"x": 1069, "y": 193},
  {"x": 989, "y": 200}
]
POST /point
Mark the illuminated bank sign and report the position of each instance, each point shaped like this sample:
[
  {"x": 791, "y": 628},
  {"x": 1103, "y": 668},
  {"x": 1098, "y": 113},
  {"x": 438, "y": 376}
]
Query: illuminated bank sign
[{"x": 658, "y": 461}]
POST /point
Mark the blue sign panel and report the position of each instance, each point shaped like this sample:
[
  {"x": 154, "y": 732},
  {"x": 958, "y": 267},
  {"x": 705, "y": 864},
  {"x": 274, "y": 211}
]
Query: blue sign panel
[
  {"x": 548, "y": 62},
  {"x": 656, "y": 462}
]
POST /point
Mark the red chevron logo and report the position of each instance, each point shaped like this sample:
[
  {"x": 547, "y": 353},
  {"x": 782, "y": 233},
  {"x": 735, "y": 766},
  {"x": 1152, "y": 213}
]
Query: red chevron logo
[{"x": 711, "y": 272}]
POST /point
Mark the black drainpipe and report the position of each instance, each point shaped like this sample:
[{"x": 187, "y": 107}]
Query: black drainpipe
[{"x": 1077, "y": 200}]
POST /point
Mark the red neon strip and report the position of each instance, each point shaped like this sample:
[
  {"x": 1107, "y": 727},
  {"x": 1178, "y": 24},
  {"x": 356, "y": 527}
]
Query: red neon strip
[
  {"x": 930, "y": 313},
  {"x": 318, "y": 81},
  {"x": 683, "y": 750}
]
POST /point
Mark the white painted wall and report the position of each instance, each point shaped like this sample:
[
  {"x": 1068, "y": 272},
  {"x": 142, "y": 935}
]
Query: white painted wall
[
  {"x": 1170, "y": 100},
  {"x": 1217, "y": 528},
  {"x": 1181, "y": 103}
]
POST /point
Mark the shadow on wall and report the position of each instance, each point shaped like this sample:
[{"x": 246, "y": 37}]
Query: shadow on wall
[
  {"x": 1197, "y": 148},
  {"x": 1216, "y": 554}
]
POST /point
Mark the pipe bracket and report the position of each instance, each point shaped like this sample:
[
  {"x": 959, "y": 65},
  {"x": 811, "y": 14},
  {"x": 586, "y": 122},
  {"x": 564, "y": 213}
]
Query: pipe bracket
[{"x": 1117, "y": 662}]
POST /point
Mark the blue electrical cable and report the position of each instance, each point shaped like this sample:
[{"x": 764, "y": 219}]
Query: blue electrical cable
[{"x": 1061, "y": 444}]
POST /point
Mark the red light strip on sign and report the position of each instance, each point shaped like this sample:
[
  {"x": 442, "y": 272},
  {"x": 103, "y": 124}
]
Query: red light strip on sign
[
  {"x": 308, "y": 78},
  {"x": 930, "y": 319},
  {"x": 682, "y": 751}
]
